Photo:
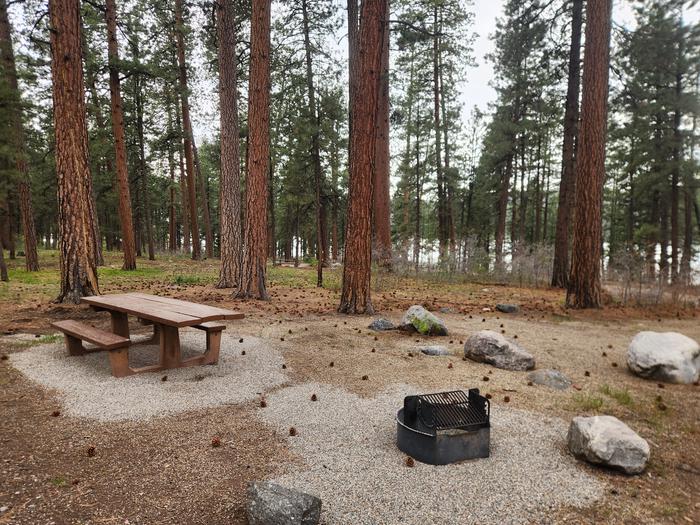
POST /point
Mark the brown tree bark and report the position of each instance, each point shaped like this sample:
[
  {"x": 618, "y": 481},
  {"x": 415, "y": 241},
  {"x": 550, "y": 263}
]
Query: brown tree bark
[
  {"x": 560, "y": 270},
  {"x": 9, "y": 69},
  {"x": 122, "y": 175},
  {"x": 355, "y": 297},
  {"x": 187, "y": 131},
  {"x": 231, "y": 242},
  {"x": 381, "y": 195},
  {"x": 76, "y": 221},
  {"x": 584, "y": 287},
  {"x": 253, "y": 280}
]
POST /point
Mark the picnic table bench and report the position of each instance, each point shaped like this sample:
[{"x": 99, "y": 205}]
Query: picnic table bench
[{"x": 167, "y": 315}]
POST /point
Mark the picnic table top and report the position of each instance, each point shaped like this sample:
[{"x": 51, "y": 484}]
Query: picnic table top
[{"x": 161, "y": 310}]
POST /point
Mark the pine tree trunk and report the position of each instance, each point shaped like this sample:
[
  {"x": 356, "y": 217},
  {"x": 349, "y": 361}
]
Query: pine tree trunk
[
  {"x": 253, "y": 281},
  {"x": 231, "y": 243},
  {"x": 184, "y": 195},
  {"x": 76, "y": 221},
  {"x": 418, "y": 198},
  {"x": 122, "y": 176},
  {"x": 560, "y": 271},
  {"x": 355, "y": 297},
  {"x": 449, "y": 186},
  {"x": 187, "y": 131},
  {"x": 676, "y": 168},
  {"x": 9, "y": 68},
  {"x": 353, "y": 57},
  {"x": 314, "y": 125},
  {"x": 382, "y": 198},
  {"x": 143, "y": 169},
  {"x": 172, "y": 213},
  {"x": 439, "y": 172},
  {"x": 584, "y": 287},
  {"x": 506, "y": 173},
  {"x": 204, "y": 198}
]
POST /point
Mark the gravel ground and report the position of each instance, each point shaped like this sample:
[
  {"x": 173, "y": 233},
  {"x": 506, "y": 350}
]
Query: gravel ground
[
  {"x": 348, "y": 443},
  {"x": 87, "y": 388}
]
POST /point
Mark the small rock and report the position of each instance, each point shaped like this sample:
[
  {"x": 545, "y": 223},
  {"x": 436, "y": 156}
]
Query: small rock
[
  {"x": 664, "y": 356},
  {"x": 507, "y": 308},
  {"x": 272, "y": 504},
  {"x": 418, "y": 319},
  {"x": 434, "y": 350},
  {"x": 550, "y": 378},
  {"x": 381, "y": 325},
  {"x": 446, "y": 310},
  {"x": 491, "y": 347},
  {"x": 605, "y": 440}
]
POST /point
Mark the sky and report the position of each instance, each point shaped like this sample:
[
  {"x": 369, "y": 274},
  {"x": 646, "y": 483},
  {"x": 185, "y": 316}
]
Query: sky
[{"x": 476, "y": 90}]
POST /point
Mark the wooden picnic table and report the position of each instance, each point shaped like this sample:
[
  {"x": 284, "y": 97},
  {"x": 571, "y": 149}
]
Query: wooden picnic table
[{"x": 167, "y": 315}]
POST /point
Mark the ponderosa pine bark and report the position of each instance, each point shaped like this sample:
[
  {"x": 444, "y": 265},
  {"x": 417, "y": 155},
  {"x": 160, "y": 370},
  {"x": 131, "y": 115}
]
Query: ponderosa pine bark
[
  {"x": 253, "y": 280},
  {"x": 584, "y": 287},
  {"x": 381, "y": 195},
  {"x": 9, "y": 69},
  {"x": 230, "y": 194},
  {"x": 187, "y": 131},
  {"x": 357, "y": 267},
  {"x": 560, "y": 270},
  {"x": 122, "y": 174},
  {"x": 75, "y": 214}
]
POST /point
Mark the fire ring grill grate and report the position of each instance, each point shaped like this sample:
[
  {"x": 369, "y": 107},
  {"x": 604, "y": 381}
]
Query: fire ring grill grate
[{"x": 445, "y": 427}]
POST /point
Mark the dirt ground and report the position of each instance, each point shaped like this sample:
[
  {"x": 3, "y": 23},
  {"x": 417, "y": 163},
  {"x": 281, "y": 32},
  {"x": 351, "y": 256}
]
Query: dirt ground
[{"x": 57, "y": 469}]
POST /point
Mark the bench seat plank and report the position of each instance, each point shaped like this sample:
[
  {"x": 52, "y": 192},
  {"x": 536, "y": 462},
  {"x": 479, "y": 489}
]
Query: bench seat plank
[{"x": 95, "y": 336}]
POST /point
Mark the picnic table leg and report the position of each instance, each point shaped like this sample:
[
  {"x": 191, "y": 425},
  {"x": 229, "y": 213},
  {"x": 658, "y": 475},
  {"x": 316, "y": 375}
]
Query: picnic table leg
[
  {"x": 119, "y": 359},
  {"x": 169, "y": 347},
  {"x": 120, "y": 323},
  {"x": 211, "y": 357}
]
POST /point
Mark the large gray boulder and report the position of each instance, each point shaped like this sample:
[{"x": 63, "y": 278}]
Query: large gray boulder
[
  {"x": 550, "y": 378},
  {"x": 418, "y": 319},
  {"x": 607, "y": 441},
  {"x": 492, "y": 348},
  {"x": 272, "y": 504},
  {"x": 664, "y": 356}
]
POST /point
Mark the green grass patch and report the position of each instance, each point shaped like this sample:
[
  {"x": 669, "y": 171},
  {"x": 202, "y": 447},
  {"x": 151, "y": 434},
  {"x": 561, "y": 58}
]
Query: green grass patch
[
  {"x": 185, "y": 280},
  {"x": 59, "y": 481},
  {"x": 587, "y": 401},
  {"x": 622, "y": 396}
]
